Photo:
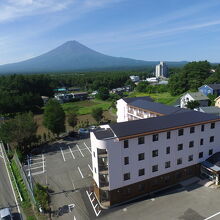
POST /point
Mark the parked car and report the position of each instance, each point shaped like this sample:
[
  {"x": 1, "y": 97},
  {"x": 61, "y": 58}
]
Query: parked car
[
  {"x": 83, "y": 131},
  {"x": 92, "y": 127},
  {"x": 5, "y": 214}
]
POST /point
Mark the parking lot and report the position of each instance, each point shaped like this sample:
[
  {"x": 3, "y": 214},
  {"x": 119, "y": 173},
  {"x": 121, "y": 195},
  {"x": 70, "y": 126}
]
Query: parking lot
[{"x": 65, "y": 167}]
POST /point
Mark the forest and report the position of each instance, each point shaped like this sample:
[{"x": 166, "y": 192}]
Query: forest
[{"x": 21, "y": 93}]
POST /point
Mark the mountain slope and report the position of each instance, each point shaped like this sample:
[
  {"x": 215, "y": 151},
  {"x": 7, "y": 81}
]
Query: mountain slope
[{"x": 72, "y": 56}]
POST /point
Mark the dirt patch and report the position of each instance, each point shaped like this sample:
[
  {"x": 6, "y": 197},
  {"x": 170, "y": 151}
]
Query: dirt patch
[{"x": 108, "y": 115}]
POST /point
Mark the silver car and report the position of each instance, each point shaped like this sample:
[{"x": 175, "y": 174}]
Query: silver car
[{"x": 5, "y": 214}]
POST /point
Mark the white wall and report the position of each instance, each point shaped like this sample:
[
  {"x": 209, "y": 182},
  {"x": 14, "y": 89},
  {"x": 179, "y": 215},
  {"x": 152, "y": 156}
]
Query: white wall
[
  {"x": 117, "y": 152},
  {"x": 122, "y": 111}
]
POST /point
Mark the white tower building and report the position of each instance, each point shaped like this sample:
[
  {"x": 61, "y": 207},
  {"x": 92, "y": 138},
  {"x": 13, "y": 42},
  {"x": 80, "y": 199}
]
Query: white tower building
[{"x": 161, "y": 70}]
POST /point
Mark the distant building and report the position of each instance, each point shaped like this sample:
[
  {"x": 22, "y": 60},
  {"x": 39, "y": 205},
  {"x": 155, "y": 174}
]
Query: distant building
[
  {"x": 80, "y": 95},
  {"x": 194, "y": 96},
  {"x": 217, "y": 102},
  {"x": 213, "y": 89},
  {"x": 210, "y": 110},
  {"x": 63, "y": 89},
  {"x": 152, "y": 80},
  {"x": 135, "y": 78},
  {"x": 121, "y": 90},
  {"x": 62, "y": 98},
  {"x": 161, "y": 70}
]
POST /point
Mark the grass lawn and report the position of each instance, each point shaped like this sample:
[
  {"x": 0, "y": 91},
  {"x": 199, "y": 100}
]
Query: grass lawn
[
  {"x": 164, "y": 97},
  {"x": 85, "y": 107}
]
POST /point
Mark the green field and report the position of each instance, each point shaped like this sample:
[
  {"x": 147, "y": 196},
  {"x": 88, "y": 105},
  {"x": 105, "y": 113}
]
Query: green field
[
  {"x": 85, "y": 107},
  {"x": 164, "y": 98}
]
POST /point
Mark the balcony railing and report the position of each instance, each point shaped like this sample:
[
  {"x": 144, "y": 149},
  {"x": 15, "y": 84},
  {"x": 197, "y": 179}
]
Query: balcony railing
[
  {"x": 140, "y": 114},
  {"x": 102, "y": 153}
]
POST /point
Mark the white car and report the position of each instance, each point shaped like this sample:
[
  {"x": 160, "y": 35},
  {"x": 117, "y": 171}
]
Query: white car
[{"x": 5, "y": 214}]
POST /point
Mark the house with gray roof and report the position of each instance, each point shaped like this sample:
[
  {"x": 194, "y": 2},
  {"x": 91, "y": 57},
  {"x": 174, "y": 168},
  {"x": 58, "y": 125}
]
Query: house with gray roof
[
  {"x": 194, "y": 96},
  {"x": 210, "y": 110}
]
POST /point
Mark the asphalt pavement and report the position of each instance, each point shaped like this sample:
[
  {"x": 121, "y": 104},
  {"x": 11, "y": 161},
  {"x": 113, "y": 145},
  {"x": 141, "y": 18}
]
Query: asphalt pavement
[{"x": 7, "y": 199}]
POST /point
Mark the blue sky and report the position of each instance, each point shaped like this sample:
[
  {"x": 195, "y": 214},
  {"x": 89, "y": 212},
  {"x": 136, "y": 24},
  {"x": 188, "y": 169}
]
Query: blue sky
[{"x": 170, "y": 30}]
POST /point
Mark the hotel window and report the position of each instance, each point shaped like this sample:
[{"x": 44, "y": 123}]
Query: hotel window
[
  {"x": 179, "y": 161},
  {"x": 141, "y": 156},
  {"x": 180, "y": 147},
  {"x": 191, "y": 144},
  {"x": 126, "y": 176},
  {"x": 212, "y": 125},
  {"x": 155, "y": 168},
  {"x": 93, "y": 153},
  {"x": 167, "y": 164},
  {"x": 202, "y": 127},
  {"x": 201, "y": 155},
  {"x": 95, "y": 170},
  {"x": 210, "y": 151},
  {"x": 141, "y": 140},
  {"x": 125, "y": 143},
  {"x": 190, "y": 158},
  {"x": 192, "y": 130},
  {"x": 155, "y": 137},
  {"x": 180, "y": 132},
  {"x": 201, "y": 141},
  {"x": 168, "y": 135},
  {"x": 211, "y": 139},
  {"x": 168, "y": 150},
  {"x": 141, "y": 172},
  {"x": 154, "y": 153},
  {"x": 126, "y": 160}
]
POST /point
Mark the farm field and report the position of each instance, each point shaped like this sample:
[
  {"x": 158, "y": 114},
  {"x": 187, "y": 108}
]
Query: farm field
[
  {"x": 85, "y": 107},
  {"x": 164, "y": 98}
]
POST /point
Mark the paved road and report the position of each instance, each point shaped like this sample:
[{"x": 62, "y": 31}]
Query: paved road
[{"x": 7, "y": 198}]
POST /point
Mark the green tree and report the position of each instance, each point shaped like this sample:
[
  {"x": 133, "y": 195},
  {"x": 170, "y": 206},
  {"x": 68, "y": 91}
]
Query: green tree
[
  {"x": 72, "y": 119},
  {"x": 97, "y": 114},
  {"x": 20, "y": 131},
  {"x": 42, "y": 197},
  {"x": 142, "y": 86},
  {"x": 54, "y": 117},
  {"x": 192, "y": 104},
  {"x": 103, "y": 93}
]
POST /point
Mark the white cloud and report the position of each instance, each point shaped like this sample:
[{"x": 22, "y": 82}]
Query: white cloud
[{"x": 13, "y": 9}]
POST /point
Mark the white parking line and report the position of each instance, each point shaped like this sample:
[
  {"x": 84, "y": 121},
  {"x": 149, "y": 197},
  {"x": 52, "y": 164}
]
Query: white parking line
[
  {"x": 71, "y": 152},
  {"x": 88, "y": 148},
  {"x": 43, "y": 162},
  {"x": 80, "y": 172},
  {"x": 37, "y": 173},
  {"x": 16, "y": 201},
  {"x": 94, "y": 207},
  {"x": 34, "y": 168},
  {"x": 80, "y": 150},
  {"x": 62, "y": 154},
  {"x": 90, "y": 167},
  {"x": 73, "y": 184},
  {"x": 212, "y": 216}
]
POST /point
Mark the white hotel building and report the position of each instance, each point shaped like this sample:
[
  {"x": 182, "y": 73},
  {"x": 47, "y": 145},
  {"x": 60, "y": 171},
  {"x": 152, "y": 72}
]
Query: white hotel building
[{"x": 136, "y": 157}]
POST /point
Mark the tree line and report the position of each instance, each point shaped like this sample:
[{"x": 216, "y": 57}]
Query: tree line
[
  {"x": 21, "y": 93},
  {"x": 192, "y": 76}
]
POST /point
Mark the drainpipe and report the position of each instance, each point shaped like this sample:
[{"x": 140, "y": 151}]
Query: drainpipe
[{"x": 217, "y": 179}]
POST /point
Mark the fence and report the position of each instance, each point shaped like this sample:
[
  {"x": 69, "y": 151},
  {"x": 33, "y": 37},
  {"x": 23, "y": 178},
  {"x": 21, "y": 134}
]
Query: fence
[{"x": 25, "y": 179}]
